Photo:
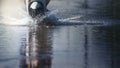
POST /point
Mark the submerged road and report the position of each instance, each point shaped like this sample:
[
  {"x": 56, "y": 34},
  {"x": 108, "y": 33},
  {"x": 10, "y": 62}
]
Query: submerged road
[{"x": 93, "y": 44}]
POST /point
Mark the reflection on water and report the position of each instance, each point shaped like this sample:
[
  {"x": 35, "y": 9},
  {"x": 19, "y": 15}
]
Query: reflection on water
[
  {"x": 39, "y": 49},
  {"x": 59, "y": 46},
  {"x": 110, "y": 44},
  {"x": 11, "y": 39}
]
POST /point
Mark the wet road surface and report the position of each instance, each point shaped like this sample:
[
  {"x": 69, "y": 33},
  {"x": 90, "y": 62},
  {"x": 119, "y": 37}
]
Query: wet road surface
[
  {"x": 59, "y": 46},
  {"x": 92, "y": 44}
]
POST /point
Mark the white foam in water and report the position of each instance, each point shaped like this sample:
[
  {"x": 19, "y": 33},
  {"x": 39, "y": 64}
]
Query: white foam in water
[
  {"x": 53, "y": 17},
  {"x": 14, "y": 12},
  {"x": 50, "y": 15},
  {"x": 71, "y": 19}
]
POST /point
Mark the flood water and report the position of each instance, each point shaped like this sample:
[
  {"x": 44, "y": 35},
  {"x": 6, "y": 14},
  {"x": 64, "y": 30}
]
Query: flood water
[{"x": 81, "y": 40}]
